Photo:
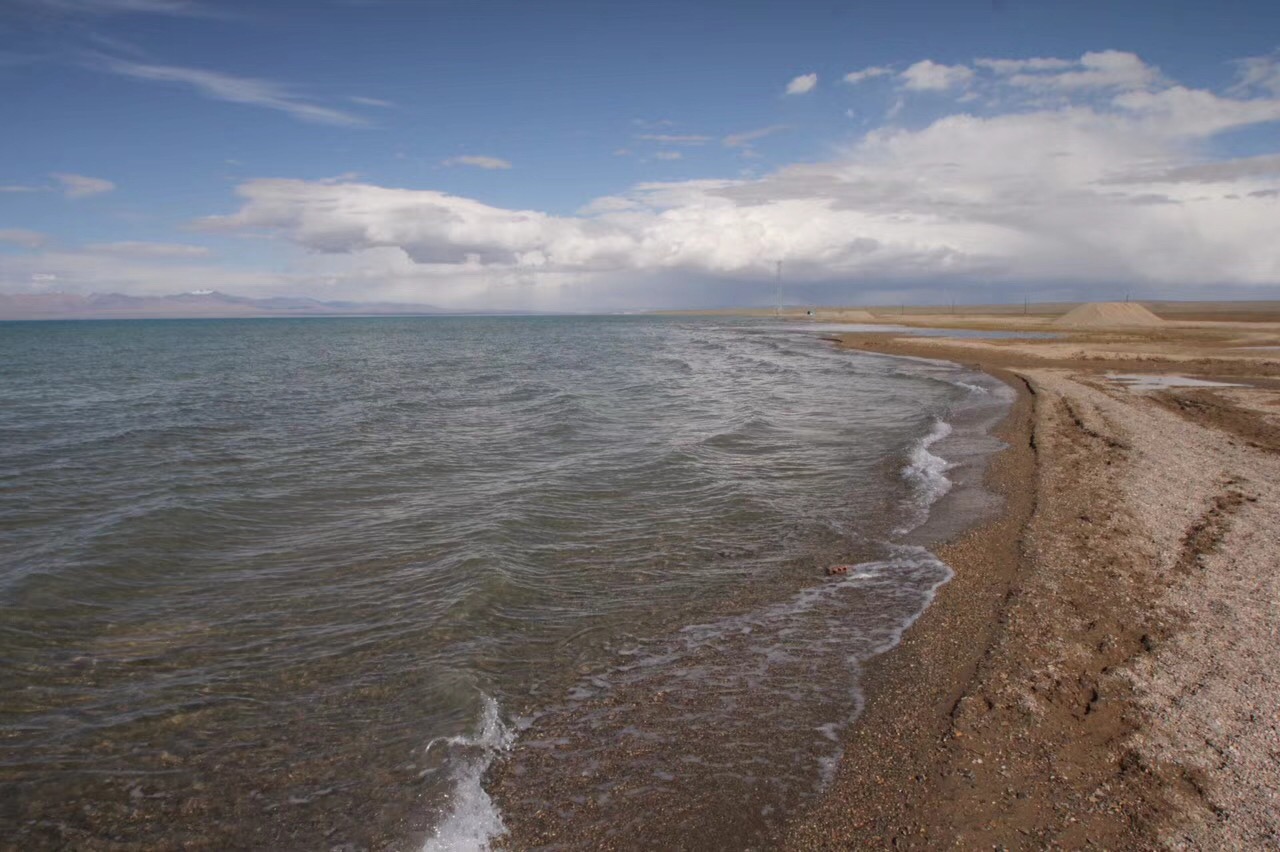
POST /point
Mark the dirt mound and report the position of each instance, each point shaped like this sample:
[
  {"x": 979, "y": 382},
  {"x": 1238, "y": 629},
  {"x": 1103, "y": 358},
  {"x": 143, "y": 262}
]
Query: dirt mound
[
  {"x": 1108, "y": 315},
  {"x": 855, "y": 316}
]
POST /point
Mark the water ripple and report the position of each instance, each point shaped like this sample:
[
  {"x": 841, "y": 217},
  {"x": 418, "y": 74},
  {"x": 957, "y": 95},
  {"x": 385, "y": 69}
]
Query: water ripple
[{"x": 248, "y": 569}]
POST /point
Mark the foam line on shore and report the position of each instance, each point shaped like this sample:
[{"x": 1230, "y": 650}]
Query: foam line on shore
[
  {"x": 927, "y": 473},
  {"x": 473, "y": 820}
]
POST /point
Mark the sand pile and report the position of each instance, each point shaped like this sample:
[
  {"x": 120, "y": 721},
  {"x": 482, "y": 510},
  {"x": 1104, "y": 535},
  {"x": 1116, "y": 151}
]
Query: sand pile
[
  {"x": 1108, "y": 315},
  {"x": 856, "y": 316}
]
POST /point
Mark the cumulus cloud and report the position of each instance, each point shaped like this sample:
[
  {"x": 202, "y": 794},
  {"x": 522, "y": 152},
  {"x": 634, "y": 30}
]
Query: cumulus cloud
[
  {"x": 220, "y": 86},
  {"x": 929, "y": 76},
  {"x": 1106, "y": 69},
  {"x": 803, "y": 84},
  {"x": 430, "y": 227},
  {"x": 1070, "y": 196},
  {"x": 1084, "y": 194},
  {"x": 1017, "y": 66},
  {"x": 80, "y": 186},
  {"x": 607, "y": 204},
  {"x": 23, "y": 237},
  {"x": 477, "y": 161},
  {"x": 853, "y": 78},
  {"x": 1195, "y": 113}
]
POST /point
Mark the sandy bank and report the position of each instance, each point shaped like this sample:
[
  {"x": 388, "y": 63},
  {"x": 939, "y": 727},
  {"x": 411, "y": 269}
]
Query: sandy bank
[{"x": 1098, "y": 672}]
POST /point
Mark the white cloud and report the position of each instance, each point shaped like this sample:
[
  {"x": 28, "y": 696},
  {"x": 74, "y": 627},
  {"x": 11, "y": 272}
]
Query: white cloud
[
  {"x": 1223, "y": 170},
  {"x": 1259, "y": 72},
  {"x": 608, "y": 204},
  {"x": 23, "y": 237},
  {"x": 853, "y": 78},
  {"x": 744, "y": 139},
  {"x": 477, "y": 161},
  {"x": 89, "y": 272},
  {"x": 803, "y": 84},
  {"x": 15, "y": 188},
  {"x": 1195, "y": 113},
  {"x": 929, "y": 76},
  {"x": 1070, "y": 196},
  {"x": 675, "y": 139},
  {"x": 1106, "y": 69},
  {"x": 1080, "y": 195},
  {"x": 1016, "y": 66},
  {"x": 431, "y": 227},
  {"x": 240, "y": 90},
  {"x": 371, "y": 102},
  {"x": 669, "y": 155},
  {"x": 79, "y": 186},
  {"x": 145, "y": 249}
]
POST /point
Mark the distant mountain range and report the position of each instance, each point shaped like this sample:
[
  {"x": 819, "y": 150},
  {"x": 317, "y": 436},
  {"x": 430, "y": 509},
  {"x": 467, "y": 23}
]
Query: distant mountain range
[{"x": 201, "y": 303}]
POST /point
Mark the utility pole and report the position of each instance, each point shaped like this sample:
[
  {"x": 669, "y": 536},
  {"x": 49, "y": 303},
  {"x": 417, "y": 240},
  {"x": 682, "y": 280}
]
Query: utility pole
[{"x": 777, "y": 311}]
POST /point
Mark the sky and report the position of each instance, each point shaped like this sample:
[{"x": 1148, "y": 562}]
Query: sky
[{"x": 588, "y": 155}]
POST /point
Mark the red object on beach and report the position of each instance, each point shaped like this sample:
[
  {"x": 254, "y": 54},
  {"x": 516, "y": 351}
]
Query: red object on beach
[{"x": 837, "y": 569}]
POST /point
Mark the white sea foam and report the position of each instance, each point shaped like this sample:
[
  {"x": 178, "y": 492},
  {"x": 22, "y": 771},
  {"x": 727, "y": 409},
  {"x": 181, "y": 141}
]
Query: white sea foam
[
  {"x": 473, "y": 819},
  {"x": 769, "y": 694},
  {"x": 927, "y": 473}
]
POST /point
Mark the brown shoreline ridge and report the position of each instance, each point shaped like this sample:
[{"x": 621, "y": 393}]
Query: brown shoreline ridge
[{"x": 1096, "y": 674}]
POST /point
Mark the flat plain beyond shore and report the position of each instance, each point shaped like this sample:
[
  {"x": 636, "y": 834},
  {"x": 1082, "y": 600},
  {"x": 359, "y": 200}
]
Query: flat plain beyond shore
[{"x": 1098, "y": 673}]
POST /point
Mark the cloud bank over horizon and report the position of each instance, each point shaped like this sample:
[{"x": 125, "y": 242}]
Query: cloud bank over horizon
[{"x": 1040, "y": 176}]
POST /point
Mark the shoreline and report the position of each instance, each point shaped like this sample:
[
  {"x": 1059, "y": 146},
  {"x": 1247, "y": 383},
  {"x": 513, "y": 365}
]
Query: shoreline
[
  {"x": 686, "y": 823},
  {"x": 912, "y": 688},
  {"x": 1033, "y": 706}
]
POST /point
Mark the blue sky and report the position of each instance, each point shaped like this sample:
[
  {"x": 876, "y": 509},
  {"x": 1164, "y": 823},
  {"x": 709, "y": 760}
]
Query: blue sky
[{"x": 599, "y": 155}]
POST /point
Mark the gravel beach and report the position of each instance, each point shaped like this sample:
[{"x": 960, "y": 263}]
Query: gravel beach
[{"x": 1098, "y": 672}]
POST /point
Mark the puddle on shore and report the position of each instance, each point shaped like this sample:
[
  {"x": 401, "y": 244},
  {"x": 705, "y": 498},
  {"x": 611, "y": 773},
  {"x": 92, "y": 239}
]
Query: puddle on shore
[{"x": 1155, "y": 381}]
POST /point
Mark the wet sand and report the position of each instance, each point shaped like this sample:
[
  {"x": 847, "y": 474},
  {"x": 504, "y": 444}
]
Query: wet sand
[{"x": 1096, "y": 675}]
